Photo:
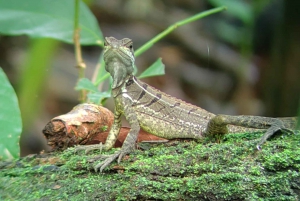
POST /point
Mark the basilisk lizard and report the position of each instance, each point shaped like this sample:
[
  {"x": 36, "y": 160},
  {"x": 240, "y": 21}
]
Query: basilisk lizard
[{"x": 161, "y": 114}]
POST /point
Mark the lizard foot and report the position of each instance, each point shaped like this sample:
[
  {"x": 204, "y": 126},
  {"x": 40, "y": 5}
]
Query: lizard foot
[
  {"x": 108, "y": 160},
  {"x": 89, "y": 148},
  {"x": 271, "y": 131}
]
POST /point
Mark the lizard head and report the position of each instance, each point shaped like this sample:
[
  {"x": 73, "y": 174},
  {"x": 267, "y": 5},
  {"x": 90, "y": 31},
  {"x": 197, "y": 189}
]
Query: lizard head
[{"x": 119, "y": 59}]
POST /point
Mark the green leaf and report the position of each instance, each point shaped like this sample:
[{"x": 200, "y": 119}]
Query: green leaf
[
  {"x": 237, "y": 8},
  {"x": 32, "y": 81},
  {"x": 102, "y": 74},
  {"x": 98, "y": 97},
  {"x": 157, "y": 68},
  {"x": 51, "y": 19},
  {"x": 86, "y": 84},
  {"x": 10, "y": 120}
]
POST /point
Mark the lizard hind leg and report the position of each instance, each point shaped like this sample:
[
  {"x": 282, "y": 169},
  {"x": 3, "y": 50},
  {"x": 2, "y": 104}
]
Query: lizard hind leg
[
  {"x": 218, "y": 125},
  {"x": 274, "y": 128}
]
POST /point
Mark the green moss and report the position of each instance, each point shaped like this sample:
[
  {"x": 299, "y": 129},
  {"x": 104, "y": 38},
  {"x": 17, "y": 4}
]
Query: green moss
[
  {"x": 188, "y": 170},
  {"x": 104, "y": 128}
]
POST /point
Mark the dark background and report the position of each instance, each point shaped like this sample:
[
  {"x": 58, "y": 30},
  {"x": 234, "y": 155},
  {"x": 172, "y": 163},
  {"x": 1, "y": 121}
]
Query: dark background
[{"x": 226, "y": 63}]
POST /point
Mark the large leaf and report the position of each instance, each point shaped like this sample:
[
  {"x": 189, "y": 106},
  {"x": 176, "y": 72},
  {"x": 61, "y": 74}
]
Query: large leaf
[
  {"x": 48, "y": 18},
  {"x": 10, "y": 120},
  {"x": 157, "y": 68}
]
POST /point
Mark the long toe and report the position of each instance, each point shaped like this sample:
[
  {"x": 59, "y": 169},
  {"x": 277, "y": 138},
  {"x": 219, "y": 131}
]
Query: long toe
[{"x": 106, "y": 162}]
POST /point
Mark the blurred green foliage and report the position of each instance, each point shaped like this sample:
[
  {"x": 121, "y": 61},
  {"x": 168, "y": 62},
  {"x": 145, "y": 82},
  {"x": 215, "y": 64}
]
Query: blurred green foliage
[
  {"x": 46, "y": 25},
  {"x": 40, "y": 22},
  {"x": 10, "y": 120},
  {"x": 35, "y": 72},
  {"x": 39, "y": 19}
]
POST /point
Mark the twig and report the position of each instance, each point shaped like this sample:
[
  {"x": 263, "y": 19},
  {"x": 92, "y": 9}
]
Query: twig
[{"x": 79, "y": 61}]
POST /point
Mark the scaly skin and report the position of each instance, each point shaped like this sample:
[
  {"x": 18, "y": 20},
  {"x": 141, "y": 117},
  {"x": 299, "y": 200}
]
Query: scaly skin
[{"x": 163, "y": 115}]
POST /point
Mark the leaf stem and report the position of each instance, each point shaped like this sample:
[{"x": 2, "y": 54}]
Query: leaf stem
[
  {"x": 176, "y": 25},
  {"x": 79, "y": 61}
]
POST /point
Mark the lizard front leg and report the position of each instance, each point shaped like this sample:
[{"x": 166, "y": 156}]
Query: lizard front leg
[
  {"x": 218, "y": 125},
  {"x": 129, "y": 143},
  {"x": 111, "y": 138}
]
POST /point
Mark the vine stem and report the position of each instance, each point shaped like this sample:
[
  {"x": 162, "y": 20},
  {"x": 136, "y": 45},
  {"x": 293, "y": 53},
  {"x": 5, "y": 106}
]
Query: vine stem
[
  {"x": 78, "y": 55},
  {"x": 176, "y": 25}
]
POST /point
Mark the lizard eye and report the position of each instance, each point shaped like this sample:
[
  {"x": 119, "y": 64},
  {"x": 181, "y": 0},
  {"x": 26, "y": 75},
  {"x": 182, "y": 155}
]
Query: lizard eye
[{"x": 130, "y": 46}]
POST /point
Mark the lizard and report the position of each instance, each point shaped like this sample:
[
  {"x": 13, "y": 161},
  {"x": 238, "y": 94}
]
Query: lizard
[{"x": 161, "y": 114}]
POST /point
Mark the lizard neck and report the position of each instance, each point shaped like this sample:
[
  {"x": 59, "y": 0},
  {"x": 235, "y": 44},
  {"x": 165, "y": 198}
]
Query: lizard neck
[{"x": 121, "y": 88}]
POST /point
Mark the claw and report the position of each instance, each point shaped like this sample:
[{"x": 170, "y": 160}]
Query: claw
[
  {"x": 258, "y": 147},
  {"x": 107, "y": 161}
]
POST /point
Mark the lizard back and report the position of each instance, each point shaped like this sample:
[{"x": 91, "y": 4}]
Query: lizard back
[{"x": 156, "y": 110}]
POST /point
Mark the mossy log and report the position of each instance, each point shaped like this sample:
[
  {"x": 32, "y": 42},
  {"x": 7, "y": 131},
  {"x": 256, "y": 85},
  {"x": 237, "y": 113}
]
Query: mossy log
[{"x": 178, "y": 170}]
